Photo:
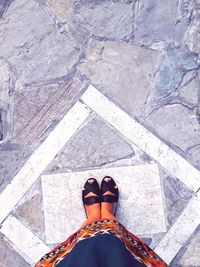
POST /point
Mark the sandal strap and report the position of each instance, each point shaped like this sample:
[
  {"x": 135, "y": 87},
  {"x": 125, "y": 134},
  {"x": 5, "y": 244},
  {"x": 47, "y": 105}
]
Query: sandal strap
[
  {"x": 109, "y": 188},
  {"x": 109, "y": 198},
  {"x": 91, "y": 200}
]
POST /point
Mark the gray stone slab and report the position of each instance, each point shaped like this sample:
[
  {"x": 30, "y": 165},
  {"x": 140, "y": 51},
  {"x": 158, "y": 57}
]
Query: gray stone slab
[
  {"x": 122, "y": 71},
  {"x": 37, "y": 107},
  {"x": 9, "y": 83},
  {"x": 61, "y": 8},
  {"x": 29, "y": 210},
  {"x": 93, "y": 145},
  {"x": 112, "y": 20},
  {"x": 176, "y": 124},
  {"x": 194, "y": 152},
  {"x": 188, "y": 92},
  {"x": 191, "y": 257},
  {"x": 9, "y": 257},
  {"x": 155, "y": 21},
  {"x": 192, "y": 36},
  {"x": 12, "y": 158},
  {"x": 183, "y": 19},
  {"x": 140, "y": 206},
  {"x": 177, "y": 62},
  {"x": 176, "y": 194},
  {"x": 40, "y": 51},
  {"x": 4, "y": 5}
]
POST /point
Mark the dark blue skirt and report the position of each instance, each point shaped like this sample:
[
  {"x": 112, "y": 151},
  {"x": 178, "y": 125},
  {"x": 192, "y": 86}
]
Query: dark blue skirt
[
  {"x": 103, "y": 243},
  {"x": 100, "y": 251}
]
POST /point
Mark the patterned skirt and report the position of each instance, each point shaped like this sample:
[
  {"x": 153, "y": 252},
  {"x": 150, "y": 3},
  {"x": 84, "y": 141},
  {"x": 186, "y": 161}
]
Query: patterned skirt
[{"x": 104, "y": 243}]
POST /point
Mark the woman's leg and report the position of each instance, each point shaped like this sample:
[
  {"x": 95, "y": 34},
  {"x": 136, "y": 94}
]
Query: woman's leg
[
  {"x": 93, "y": 211},
  {"x": 108, "y": 209}
]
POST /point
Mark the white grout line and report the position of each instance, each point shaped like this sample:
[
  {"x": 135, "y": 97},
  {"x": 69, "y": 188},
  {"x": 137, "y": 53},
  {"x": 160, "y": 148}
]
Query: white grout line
[
  {"x": 29, "y": 246},
  {"x": 41, "y": 158},
  {"x": 143, "y": 138},
  {"x": 180, "y": 232}
]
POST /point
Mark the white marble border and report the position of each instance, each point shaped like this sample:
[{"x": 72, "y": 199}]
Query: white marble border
[
  {"x": 25, "y": 242},
  {"x": 38, "y": 161},
  {"x": 180, "y": 231},
  {"x": 143, "y": 138}
]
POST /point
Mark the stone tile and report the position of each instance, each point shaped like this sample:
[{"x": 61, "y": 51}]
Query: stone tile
[
  {"x": 4, "y": 5},
  {"x": 177, "y": 62},
  {"x": 93, "y": 145},
  {"x": 9, "y": 257},
  {"x": 191, "y": 256},
  {"x": 188, "y": 92},
  {"x": 183, "y": 19},
  {"x": 140, "y": 200},
  {"x": 176, "y": 124},
  {"x": 9, "y": 83},
  {"x": 12, "y": 158},
  {"x": 194, "y": 152},
  {"x": 155, "y": 21},
  {"x": 61, "y": 8},
  {"x": 176, "y": 194},
  {"x": 40, "y": 51},
  {"x": 37, "y": 107},
  {"x": 30, "y": 210},
  {"x": 112, "y": 20},
  {"x": 180, "y": 231},
  {"x": 192, "y": 36},
  {"x": 112, "y": 66}
]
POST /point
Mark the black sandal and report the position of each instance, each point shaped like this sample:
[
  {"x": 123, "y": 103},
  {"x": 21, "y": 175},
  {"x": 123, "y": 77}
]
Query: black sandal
[
  {"x": 112, "y": 187},
  {"x": 91, "y": 188}
]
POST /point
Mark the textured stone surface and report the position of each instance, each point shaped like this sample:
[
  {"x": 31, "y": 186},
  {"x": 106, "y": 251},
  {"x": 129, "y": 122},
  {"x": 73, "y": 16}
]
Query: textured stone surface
[
  {"x": 116, "y": 66},
  {"x": 176, "y": 124},
  {"x": 138, "y": 204},
  {"x": 40, "y": 51},
  {"x": 155, "y": 21},
  {"x": 12, "y": 157},
  {"x": 9, "y": 257},
  {"x": 61, "y": 8},
  {"x": 189, "y": 90},
  {"x": 4, "y": 4},
  {"x": 191, "y": 256},
  {"x": 37, "y": 107},
  {"x": 194, "y": 151},
  {"x": 112, "y": 20},
  {"x": 177, "y": 62},
  {"x": 9, "y": 82},
  {"x": 30, "y": 212},
  {"x": 192, "y": 35},
  {"x": 183, "y": 19},
  {"x": 177, "y": 196},
  {"x": 93, "y": 145}
]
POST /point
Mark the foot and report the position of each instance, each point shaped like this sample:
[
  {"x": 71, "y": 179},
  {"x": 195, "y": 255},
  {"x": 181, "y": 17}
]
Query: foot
[
  {"x": 110, "y": 195},
  {"x": 91, "y": 199}
]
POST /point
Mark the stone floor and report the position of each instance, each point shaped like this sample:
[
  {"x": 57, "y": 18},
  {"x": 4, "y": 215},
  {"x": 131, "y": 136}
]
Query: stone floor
[{"x": 89, "y": 88}]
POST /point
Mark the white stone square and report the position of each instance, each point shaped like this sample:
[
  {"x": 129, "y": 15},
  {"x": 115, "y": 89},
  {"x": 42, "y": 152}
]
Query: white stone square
[{"x": 140, "y": 207}]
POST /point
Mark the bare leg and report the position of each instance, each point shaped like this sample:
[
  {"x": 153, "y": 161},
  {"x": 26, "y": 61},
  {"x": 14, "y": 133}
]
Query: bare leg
[
  {"x": 107, "y": 209},
  {"x": 93, "y": 212}
]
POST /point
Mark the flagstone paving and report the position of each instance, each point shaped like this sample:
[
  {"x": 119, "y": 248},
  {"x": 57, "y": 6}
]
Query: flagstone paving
[{"x": 144, "y": 56}]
